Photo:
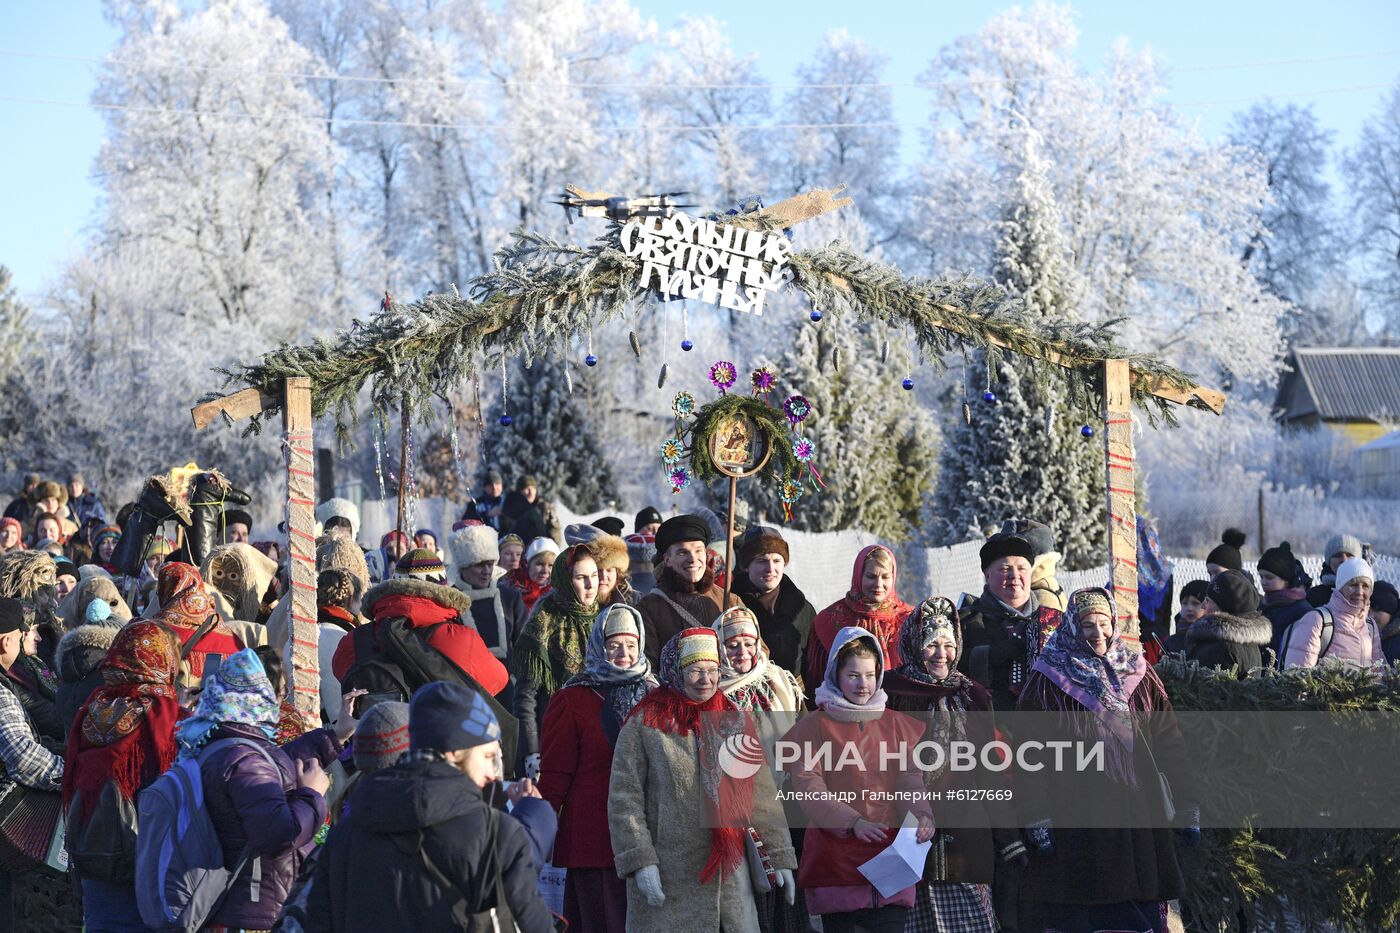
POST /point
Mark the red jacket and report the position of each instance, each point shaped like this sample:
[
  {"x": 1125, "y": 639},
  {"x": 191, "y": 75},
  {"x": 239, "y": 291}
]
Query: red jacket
[
  {"x": 831, "y": 855},
  {"x": 575, "y": 767},
  {"x": 458, "y": 641}
]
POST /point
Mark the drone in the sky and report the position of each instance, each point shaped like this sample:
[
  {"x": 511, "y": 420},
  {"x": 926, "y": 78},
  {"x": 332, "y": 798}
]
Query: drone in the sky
[{"x": 582, "y": 203}]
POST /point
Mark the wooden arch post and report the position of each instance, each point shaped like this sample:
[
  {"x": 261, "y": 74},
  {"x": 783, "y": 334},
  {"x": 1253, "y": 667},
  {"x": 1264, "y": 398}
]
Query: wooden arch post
[
  {"x": 301, "y": 654},
  {"x": 1122, "y": 502}
]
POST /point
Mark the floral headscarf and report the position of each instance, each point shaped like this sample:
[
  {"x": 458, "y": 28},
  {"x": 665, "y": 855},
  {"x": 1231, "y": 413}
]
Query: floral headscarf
[
  {"x": 552, "y": 647},
  {"x": 239, "y": 692},
  {"x": 126, "y": 731},
  {"x": 1098, "y": 682},
  {"x": 936, "y": 617},
  {"x": 622, "y": 688},
  {"x": 183, "y": 600}
]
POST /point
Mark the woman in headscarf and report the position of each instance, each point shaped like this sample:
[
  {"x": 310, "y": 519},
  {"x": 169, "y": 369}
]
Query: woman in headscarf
[
  {"x": 955, "y": 895},
  {"x": 187, "y": 610},
  {"x": 576, "y": 755},
  {"x": 750, "y": 680},
  {"x": 122, "y": 740},
  {"x": 678, "y": 820},
  {"x": 1119, "y": 873},
  {"x": 531, "y": 578},
  {"x": 552, "y": 646},
  {"x": 856, "y": 805},
  {"x": 871, "y": 604},
  {"x": 257, "y": 794}
]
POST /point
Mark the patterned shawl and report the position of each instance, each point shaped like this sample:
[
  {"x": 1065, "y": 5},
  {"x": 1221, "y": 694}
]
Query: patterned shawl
[
  {"x": 718, "y": 726},
  {"x": 529, "y": 590},
  {"x": 238, "y": 692},
  {"x": 185, "y": 605},
  {"x": 622, "y": 688},
  {"x": 552, "y": 646},
  {"x": 765, "y": 686},
  {"x": 882, "y": 621},
  {"x": 949, "y": 699},
  {"x": 126, "y": 731}
]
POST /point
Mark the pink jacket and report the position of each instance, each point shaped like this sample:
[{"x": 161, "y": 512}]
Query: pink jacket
[{"x": 1355, "y": 639}]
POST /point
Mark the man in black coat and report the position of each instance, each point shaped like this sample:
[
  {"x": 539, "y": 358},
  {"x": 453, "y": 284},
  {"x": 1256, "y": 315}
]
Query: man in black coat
[
  {"x": 995, "y": 623},
  {"x": 783, "y": 612},
  {"x": 413, "y": 853}
]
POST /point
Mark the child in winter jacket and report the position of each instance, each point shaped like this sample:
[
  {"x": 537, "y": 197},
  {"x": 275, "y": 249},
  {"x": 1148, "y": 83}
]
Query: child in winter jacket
[{"x": 845, "y": 835}]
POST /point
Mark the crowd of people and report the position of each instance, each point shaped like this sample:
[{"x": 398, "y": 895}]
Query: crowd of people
[{"x": 517, "y": 694}]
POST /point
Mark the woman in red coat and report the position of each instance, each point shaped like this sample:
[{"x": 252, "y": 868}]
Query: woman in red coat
[
  {"x": 871, "y": 604},
  {"x": 576, "y": 752},
  {"x": 846, "y": 833}
]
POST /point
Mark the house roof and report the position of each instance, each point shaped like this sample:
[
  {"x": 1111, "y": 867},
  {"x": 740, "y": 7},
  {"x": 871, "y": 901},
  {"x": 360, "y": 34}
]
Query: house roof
[
  {"x": 1384, "y": 442},
  {"x": 1341, "y": 384}
]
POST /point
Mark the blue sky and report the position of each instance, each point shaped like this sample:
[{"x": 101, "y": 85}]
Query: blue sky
[{"x": 47, "y": 156}]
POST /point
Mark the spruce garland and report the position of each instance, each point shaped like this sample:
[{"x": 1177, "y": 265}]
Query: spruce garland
[{"x": 543, "y": 293}]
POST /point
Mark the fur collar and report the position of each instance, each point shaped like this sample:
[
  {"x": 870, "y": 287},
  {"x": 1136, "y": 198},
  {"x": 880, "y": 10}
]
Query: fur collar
[
  {"x": 1253, "y": 629},
  {"x": 445, "y": 596},
  {"x": 82, "y": 638}
]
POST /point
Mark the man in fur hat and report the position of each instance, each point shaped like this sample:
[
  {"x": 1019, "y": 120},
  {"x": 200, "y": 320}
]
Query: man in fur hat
[
  {"x": 499, "y": 614},
  {"x": 686, "y": 595}
]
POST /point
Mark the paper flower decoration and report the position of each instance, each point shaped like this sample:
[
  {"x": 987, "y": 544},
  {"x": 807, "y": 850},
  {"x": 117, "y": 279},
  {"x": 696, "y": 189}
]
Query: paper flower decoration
[
  {"x": 792, "y": 490},
  {"x": 797, "y": 409},
  {"x": 672, "y": 450},
  {"x": 679, "y": 479},
  {"x": 723, "y": 375},
  {"x": 683, "y": 405},
  {"x": 803, "y": 450},
  {"x": 762, "y": 380}
]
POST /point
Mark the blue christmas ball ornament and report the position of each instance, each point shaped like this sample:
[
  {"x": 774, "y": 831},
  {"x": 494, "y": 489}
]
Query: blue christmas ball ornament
[
  {"x": 505, "y": 421},
  {"x": 989, "y": 396},
  {"x": 1087, "y": 431},
  {"x": 687, "y": 345},
  {"x": 815, "y": 315},
  {"x": 908, "y": 384},
  {"x": 590, "y": 360}
]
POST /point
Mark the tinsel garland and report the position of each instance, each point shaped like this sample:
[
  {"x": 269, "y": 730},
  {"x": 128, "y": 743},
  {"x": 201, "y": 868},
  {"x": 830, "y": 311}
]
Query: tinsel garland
[
  {"x": 1348, "y": 878},
  {"x": 542, "y": 294}
]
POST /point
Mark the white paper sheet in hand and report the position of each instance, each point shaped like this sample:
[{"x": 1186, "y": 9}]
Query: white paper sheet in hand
[{"x": 901, "y": 864}]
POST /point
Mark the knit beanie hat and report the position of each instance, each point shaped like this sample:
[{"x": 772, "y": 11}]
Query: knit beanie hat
[
  {"x": 737, "y": 621},
  {"x": 761, "y": 540},
  {"x": 474, "y": 545},
  {"x": 63, "y": 567},
  {"x": 1227, "y": 553},
  {"x": 445, "y": 716},
  {"x": 640, "y": 548},
  {"x": 1339, "y": 544},
  {"x": 11, "y": 615},
  {"x": 647, "y": 516},
  {"x": 679, "y": 530},
  {"x": 335, "y": 587},
  {"x": 340, "y": 508},
  {"x": 1385, "y": 598},
  {"x": 1234, "y": 593},
  {"x": 508, "y": 540},
  {"x": 1351, "y": 569},
  {"x": 422, "y": 564},
  {"x": 1196, "y": 590},
  {"x": 381, "y": 736},
  {"x": 1279, "y": 561}
]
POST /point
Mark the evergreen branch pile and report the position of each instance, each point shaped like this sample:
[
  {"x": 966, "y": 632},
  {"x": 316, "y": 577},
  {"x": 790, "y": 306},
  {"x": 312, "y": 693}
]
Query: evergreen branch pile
[
  {"x": 543, "y": 293},
  {"x": 1348, "y": 878}
]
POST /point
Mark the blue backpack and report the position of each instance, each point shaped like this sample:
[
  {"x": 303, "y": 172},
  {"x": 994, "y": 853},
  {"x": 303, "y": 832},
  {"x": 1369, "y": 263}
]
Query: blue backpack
[{"x": 181, "y": 879}]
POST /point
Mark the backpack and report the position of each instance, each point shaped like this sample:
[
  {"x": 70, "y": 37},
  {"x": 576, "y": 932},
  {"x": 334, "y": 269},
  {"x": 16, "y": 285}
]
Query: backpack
[
  {"x": 104, "y": 848},
  {"x": 181, "y": 878},
  {"x": 394, "y": 660},
  {"x": 1326, "y": 633},
  {"x": 467, "y": 908}
]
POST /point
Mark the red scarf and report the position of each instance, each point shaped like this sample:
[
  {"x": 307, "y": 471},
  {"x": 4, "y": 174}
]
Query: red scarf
[
  {"x": 729, "y": 799},
  {"x": 126, "y": 731},
  {"x": 530, "y": 591}
]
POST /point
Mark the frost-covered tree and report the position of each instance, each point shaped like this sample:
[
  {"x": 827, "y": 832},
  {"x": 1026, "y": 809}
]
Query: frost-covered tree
[
  {"x": 1023, "y": 456},
  {"x": 1372, "y": 169},
  {"x": 553, "y": 436},
  {"x": 14, "y": 319},
  {"x": 1155, "y": 217}
]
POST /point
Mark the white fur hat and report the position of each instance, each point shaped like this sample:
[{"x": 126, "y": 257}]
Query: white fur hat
[
  {"x": 474, "y": 544},
  {"x": 342, "y": 508},
  {"x": 540, "y": 546}
]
